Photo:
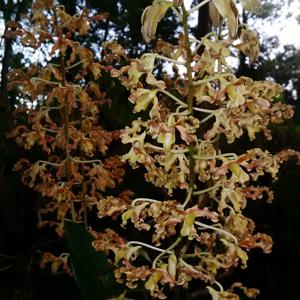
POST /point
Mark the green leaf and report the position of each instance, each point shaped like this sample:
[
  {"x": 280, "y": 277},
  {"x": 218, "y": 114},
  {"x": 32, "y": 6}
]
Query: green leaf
[{"x": 93, "y": 273}]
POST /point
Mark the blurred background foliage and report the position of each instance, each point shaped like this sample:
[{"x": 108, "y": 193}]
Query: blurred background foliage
[{"x": 21, "y": 243}]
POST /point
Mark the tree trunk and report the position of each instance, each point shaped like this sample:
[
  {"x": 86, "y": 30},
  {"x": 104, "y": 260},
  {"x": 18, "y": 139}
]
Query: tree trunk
[
  {"x": 204, "y": 23},
  {"x": 11, "y": 9},
  {"x": 4, "y": 104},
  {"x": 203, "y": 26}
]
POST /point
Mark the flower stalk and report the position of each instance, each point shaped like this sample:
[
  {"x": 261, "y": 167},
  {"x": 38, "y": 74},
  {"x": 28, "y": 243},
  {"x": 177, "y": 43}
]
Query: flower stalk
[
  {"x": 65, "y": 109},
  {"x": 190, "y": 103}
]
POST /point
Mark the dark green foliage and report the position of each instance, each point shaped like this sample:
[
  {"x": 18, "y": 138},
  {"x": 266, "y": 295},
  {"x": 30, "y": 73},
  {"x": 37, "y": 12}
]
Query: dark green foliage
[{"x": 93, "y": 273}]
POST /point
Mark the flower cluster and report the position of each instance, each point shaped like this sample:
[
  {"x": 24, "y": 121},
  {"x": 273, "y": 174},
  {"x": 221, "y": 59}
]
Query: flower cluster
[
  {"x": 204, "y": 234},
  {"x": 64, "y": 120}
]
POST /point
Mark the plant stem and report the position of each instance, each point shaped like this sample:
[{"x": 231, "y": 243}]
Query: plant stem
[
  {"x": 207, "y": 111},
  {"x": 168, "y": 250},
  {"x": 76, "y": 64},
  {"x": 60, "y": 37},
  {"x": 188, "y": 266},
  {"x": 232, "y": 156},
  {"x": 178, "y": 15},
  {"x": 188, "y": 197},
  {"x": 33, "y": 79},
  {"x": 173, "y": 97},
  {"x": 220, "y": 231},
  {"x": 207, "y": 190},
  {"x": 174, "y": 61},
  {"x": 148, "y": 246},
  {"x": 207, "y": 118},
  {"x": 219, "y": 285},
  {"x": 196, "y": 7},
  {"x": 93, "y": 161},
  {"x": 185, "y": 15},
  {"x": 45, "y": 162},
  {"x": 144, "y": 200}
]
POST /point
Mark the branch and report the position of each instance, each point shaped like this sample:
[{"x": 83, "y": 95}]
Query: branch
[
  {"x": 79, "y": 161},
  {"x": 145, "y": 200},
  {"x": 168, "y": 250},
  {"x": 207, "y": 190},
  {"x": 39, "y": 162},
  {"x": 147, "y": 246},
  {"x": 173, "y": 97},
  {"x": 174, "y": 61},
  {"x": 219, "y": 230}
]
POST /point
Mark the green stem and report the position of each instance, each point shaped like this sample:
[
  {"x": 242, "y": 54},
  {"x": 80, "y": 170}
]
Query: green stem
[
  {"x": 232, "y": 156},
  {"x": 209, "y": 141},
  {"x": 93, "y": 161},
  {"x": 188, "y": 197},
  {"x": 157, "y": 56},
  {"x": 193, "y": 255},
  {"x": 168, "y": 250},
  {"x": 207, "y": 118},
  {"x": 196, "y": 7},
  {"x": 76, "y": 64},
  {"x": 49, "y": 130},
  {"x": 207, "y": 111},
  {"x": 219, "y": 230},
  {"x": 207, "y": 190},
  {"x": 44, "y": 162},
  {"x": 176, "y": 13},
  {"x": 188, "y": 265},
  {"x": 34, "y": 79},
  {"x": 185, "y": 15},
  {"x": 148, "y": 246},
  {"x": 173, "y": 97},
  {"x": 144, "y": 200}
]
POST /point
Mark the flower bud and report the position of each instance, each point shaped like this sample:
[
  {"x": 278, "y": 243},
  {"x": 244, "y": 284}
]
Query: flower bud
[{"x": 172, "y": 265}]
